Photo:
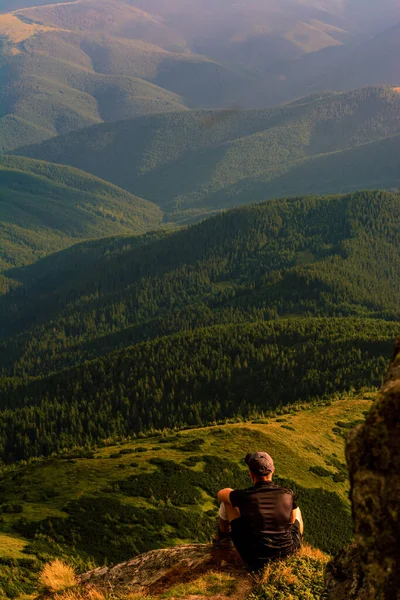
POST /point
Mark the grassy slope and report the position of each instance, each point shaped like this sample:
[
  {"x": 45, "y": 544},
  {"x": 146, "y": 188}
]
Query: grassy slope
[
  {"x": 47, "y": 207},
  {"x": 43, "y": 489},
  {"x": 192, "y": 163},
  {"x": 53, "y": 82},
  {"x": 311, "y": 443}
]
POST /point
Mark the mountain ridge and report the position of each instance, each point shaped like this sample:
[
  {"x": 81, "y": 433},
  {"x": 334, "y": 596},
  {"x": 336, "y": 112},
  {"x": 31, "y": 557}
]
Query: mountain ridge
[
  {"x": 193, "y": 162},
  {"x": 127, "y": 48}
]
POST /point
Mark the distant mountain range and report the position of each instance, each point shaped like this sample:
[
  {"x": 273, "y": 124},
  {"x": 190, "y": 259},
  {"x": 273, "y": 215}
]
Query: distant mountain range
[
  {"x": 105, "y": 113},
  {"x": 69, "y": 65},
  {"x": 371, "y": 63},
  {"x": 192, "y": 163}
]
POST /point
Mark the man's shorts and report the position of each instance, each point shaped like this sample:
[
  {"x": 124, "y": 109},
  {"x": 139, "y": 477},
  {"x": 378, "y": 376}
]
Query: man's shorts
[
  {"x": 222, "y": 512},
  {"x": 241, "y": 535},
  {"x": 296, "y": 535}
]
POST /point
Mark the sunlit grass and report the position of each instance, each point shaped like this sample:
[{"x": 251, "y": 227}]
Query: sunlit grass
[
  {"x": 11, "y": 547},
  {"x": 57, "y": 576}
]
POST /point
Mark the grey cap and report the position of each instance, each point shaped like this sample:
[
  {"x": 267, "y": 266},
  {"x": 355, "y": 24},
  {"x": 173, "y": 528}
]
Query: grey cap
[{"x": 260, "y": 463}]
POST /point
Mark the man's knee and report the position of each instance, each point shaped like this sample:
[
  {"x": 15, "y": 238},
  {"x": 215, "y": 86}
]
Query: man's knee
[
  {"x": 299, "y": 517},
  {"x": 222, "y": 512},
  {"x": 228, "y": 513},
  {"x": 223, "y": 521}
]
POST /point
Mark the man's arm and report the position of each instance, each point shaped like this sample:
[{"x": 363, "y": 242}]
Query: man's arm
[{"x": 223, "y": 495}]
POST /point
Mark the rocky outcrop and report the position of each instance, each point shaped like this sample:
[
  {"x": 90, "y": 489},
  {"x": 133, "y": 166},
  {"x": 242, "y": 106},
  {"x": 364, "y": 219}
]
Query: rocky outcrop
[
  {"x": 155, "y": 571},
  {"x": 370, "y": 568}
]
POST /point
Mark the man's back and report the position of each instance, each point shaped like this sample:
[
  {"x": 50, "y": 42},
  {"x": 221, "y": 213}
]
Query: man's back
[{"x": 264, "y": 530}]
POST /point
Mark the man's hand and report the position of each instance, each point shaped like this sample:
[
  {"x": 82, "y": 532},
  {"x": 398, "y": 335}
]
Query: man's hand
[{"x": 223, "y": 495}]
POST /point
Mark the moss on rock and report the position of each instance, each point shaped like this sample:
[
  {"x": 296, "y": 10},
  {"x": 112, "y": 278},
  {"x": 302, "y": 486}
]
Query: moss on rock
[{"x": 370, "y": 568}]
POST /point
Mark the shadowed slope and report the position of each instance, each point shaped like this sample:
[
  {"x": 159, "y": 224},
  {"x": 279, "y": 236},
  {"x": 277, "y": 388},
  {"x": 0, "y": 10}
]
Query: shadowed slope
[
  {"x": 46, "y": 207},
  {"x": 196, "y": 162},
  {"x": 373, "y": 63}
]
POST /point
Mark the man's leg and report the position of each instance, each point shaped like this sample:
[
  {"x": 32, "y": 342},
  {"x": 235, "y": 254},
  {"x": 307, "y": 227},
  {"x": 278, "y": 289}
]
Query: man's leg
[
  {"x": 223, "y": 520},
  {"x": 299, "y": 517},
  {"x": 240, "y": 533},
  {"x": 226, "y": 514}
]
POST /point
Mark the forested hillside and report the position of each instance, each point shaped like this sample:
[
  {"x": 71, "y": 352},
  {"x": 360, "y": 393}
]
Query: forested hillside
[
  {"x": 191, "y": 379},
  {"x": 71, "y": 71},
  {"x": 50, "y": 85},
  {"x": 46, "y": 207},
  {"x": 192, "y": 163},
  {"x": 335, "y": 256}
]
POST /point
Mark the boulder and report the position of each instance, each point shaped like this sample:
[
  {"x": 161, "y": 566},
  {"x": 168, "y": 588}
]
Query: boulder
[
  {"x": 369, "y": 569},
  {"x": 157, "y": 570}
]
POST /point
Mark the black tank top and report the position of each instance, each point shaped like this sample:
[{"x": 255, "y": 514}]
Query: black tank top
[{"x": 266, "y": 514}]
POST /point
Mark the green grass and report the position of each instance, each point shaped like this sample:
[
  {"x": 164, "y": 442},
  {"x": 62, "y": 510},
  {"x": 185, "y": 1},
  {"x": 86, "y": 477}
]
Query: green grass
[
  {"x": 11, "y": 547},
  {"x": 299, "y": 578},
  {"x": 210, "y": 584},
  {"x": 311, "y": 444}
]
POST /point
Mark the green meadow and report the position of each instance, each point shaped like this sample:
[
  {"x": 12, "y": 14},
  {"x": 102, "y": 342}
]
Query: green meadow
[{"x": 105, "y": 505}]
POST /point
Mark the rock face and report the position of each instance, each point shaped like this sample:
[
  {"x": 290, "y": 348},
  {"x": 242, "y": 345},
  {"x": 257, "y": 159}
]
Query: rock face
[
  {"x": 160, "y": 569},
  {"x": 370, "y": 568}
]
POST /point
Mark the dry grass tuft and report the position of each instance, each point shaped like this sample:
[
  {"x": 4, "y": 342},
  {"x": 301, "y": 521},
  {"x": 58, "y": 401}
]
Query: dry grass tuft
[
  {"x": 57, "y": 576},
  {"x": 309, "y": 552},
  {"x": 281, "y": 570},
  {"x": 300, "y": 576},
  {"x": 88, "y": 594}
]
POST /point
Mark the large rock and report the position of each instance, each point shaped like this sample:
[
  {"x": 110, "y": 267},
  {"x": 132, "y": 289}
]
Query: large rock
[
  {"x": 159, "y": 569},
  {"x": 370, "y": 568}
]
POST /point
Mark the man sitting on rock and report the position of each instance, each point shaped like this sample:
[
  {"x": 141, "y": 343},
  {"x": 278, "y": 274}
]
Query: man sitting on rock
[{"x": 263, "y": 521}]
